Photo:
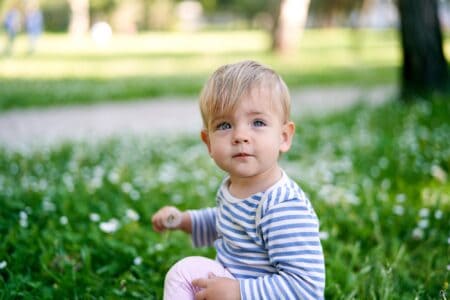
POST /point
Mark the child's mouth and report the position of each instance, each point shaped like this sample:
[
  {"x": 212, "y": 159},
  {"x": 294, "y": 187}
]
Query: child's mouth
[{"x": 241, "y": 154}]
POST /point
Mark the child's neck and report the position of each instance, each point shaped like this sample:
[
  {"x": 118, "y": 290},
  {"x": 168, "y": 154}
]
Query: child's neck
[{"x": 244, "y": 187}]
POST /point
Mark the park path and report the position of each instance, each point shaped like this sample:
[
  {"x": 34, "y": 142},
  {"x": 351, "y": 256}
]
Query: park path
[{"x": 25, "y": 128}]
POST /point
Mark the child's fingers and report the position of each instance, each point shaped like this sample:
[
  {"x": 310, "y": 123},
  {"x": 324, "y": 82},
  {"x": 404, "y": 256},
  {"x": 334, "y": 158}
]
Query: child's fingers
[
  {"x": 157, "y": 223},
  {"x": 200, "y": 282},
  {"x": 165, "y": 218}
]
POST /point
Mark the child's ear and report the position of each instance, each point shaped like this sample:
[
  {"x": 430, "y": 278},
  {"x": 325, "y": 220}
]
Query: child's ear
[
  {"x": 205, "y": 138},
  {"x": 287, "y": 134}
]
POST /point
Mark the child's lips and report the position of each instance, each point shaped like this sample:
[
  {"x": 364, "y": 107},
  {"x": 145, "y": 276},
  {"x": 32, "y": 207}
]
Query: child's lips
[{"x": 241, "y": 155}]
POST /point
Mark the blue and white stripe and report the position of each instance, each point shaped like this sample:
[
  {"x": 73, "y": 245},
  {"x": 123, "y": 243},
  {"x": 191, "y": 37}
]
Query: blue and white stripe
[{"x": 274, "y": 255}]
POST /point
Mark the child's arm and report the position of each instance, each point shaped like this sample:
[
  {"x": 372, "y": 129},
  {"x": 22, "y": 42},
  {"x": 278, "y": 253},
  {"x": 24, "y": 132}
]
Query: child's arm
[
  {"x": 290, "y": 230},
  {"x": 200, "y": 223},
  {"x": 170, "y": 218}
]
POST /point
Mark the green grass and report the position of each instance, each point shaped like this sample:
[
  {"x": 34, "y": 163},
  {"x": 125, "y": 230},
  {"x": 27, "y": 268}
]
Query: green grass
[
  {"x": 64, "y": 71},
  {"x": 378, "y": 178}
]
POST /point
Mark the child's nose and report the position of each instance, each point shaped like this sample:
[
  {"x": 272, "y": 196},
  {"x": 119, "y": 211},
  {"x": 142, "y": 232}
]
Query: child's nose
[{"x": 240, "y": 136}]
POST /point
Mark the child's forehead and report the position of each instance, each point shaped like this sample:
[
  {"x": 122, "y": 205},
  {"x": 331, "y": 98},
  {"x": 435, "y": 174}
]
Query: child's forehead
[{"x": 254, "y": 102}]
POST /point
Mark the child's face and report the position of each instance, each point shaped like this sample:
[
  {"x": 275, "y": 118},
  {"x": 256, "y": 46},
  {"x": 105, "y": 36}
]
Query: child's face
[{"x": 247, "y": 141}]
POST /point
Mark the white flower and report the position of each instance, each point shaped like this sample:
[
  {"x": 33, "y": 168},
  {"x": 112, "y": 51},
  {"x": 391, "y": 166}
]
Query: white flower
[
  {"x": 324, "y": 235},
  {"x": 113, "y": 177},
  {"x": 23, "y": 223},
  {"x": 137, "y": 260},
  {"x": 132, "y": 215},
  {"x": 423, "y": 223},
  {"x": 94, "y": 217},
  {"x": 23, "y": 215},
  {"x": 177, "y": 198},
  {"x": 111, "y": 226},
  {"x": 48, "y": 205},
  {"x": 23, "y": 219},
  {"x": 438, "y": 214},
  {"x": 63, "y": 220},
  {"x": 127, "y": 187},
  {"x": 3, "y": 264},
  {"x": 400, "y": 198},
  {"x": 424, "y": 212},
  {"x": 399, "y": 210},
  {"x": 438, "y": 173},
  {"x": 159, "y": 247},
  {"x": 134, "y": 195},
  {"x": 417, "y": 233}
]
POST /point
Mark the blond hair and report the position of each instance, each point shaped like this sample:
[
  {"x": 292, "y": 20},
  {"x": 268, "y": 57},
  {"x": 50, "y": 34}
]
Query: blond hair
[{"x": 230, "y": 82}]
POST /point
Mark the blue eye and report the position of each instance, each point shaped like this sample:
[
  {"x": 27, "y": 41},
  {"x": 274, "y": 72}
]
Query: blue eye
[
  {"x": 223, "y": 126},
  {"x": 259, "y": 123}
]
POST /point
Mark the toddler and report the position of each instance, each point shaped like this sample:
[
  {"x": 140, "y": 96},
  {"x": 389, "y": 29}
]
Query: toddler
[{"x": 263, "y": 226}]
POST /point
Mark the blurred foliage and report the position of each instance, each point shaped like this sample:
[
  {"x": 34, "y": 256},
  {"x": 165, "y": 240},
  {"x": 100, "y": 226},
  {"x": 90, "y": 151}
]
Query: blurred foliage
[{"x": 57, "y": 12}]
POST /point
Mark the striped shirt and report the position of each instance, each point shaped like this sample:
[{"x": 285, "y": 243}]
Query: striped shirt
[{"x": 268, "y": 241}]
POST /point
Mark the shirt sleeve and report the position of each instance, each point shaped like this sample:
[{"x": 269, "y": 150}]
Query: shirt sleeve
[
  {"x": 290, "y": 230},
  {"x": 204, "y": 231}
]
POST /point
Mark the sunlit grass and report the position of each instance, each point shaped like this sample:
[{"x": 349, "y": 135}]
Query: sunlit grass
[{"x": 155, "y": 64}]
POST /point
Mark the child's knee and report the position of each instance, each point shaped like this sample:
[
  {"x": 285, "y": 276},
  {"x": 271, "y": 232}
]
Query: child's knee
[
  {"x": 185, "y": 269},
  {"x": 179, "y": 278}
]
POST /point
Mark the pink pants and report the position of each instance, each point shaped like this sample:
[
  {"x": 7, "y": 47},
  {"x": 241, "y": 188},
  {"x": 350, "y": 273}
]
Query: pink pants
[{"x": 177, "y": 284}]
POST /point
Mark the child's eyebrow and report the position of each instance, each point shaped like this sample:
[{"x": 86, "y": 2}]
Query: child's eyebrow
[{"x": 257, "y": 112}]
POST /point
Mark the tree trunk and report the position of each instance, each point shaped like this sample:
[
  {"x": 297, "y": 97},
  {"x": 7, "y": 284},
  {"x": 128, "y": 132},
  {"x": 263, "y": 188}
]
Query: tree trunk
[
  {"x": 289, "y": 25},
  {"x": 79, "y": 18},
  {"x": 424, "y": 66}
]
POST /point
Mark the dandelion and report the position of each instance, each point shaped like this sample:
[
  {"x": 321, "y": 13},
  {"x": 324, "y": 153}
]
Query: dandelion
[
  {"x": 42, "y": 185},
  {"x": 137, "y": 261},
  {"x": 159, "y": 247},
  {"x": 134, "y": 195},
  {"x": 48, "y": 205},
  {"x": 63, "y": 220},
  {"x": 113, "y": 177},
  {"x": 424, "y": 213},
  {"x": 423, "y": 223},
  {"x": 96, "y": 183},
  {"x": 324, "y": 235},
  {"x": 94, "y": 217},
  {"x": 438, "y": 214},
  {"x": 400, "y": 198},
  {"x": 23, "y": 219},
  {"x": 126, "y": 187},
  {"x": 176, "y": 198},
  {"x": 132, "y": 215},
  {"x": 111, "y": 226},
  {"x": 3, "y": 264},
  {"x": 399, "y": 210},
  {"x": 385, "y": 184},
  {"x": 383, "y": 162},
  {"x": 417, "y": 233},
  {"x": 68, "y": 182},
  {"x": 438, "y": 173},
  {"x": 98, "y": 171}
]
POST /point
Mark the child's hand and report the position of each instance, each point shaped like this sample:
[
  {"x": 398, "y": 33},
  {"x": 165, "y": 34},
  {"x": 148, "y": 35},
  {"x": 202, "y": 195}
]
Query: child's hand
[
  {"x": 168, "y": 217},
  {"x": 217, "y": 288}
]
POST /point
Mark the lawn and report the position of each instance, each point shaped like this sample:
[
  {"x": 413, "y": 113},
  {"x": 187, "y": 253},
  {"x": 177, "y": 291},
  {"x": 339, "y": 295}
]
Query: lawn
[
  {"x": 65, "y": 71},
  {"x": 74, "y": 219}
]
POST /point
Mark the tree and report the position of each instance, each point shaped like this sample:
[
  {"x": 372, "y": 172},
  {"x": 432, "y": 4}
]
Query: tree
[
  {"x": 79, "y": 17},
  {"x": 424, "y": 67},
  {"x": 289, "y": 25}
]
